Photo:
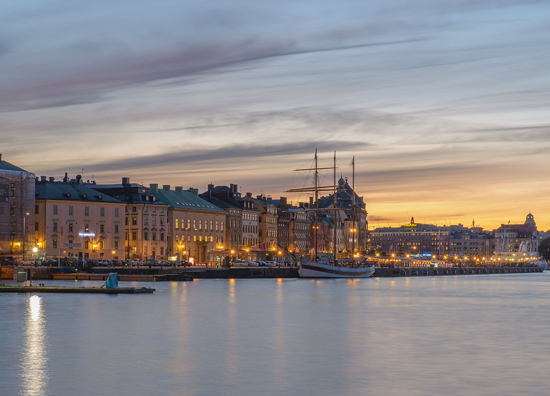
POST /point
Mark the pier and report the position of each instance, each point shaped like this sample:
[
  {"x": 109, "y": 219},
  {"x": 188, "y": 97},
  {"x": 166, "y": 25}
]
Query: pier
[
  {"x": 93, "y": 290},
  {"x": 442, "y": 271}
]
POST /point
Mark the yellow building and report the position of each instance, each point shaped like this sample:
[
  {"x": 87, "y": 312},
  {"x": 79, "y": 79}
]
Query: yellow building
[
  {"x": 197, "y": 227},
  {"x": 72, "y": 220}
]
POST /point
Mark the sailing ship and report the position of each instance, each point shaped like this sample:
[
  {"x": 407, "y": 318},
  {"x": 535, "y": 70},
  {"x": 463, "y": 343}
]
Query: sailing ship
[{"x": 324, "y": 266}]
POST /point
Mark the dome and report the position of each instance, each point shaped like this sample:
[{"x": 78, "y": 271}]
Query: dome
[
  {"x": 530, "y": 220},
  {"x": 341, "y": 182}
]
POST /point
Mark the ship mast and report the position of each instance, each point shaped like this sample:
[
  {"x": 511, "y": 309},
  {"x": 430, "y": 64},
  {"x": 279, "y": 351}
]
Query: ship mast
[
  {"x": 334, "y": 225},
  {"x": 354, "y": 231},
  {"x": 316, "y": 204}
]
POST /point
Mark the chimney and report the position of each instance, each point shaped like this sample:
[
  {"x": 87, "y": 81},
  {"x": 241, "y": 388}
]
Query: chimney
[
  {"x": 194, "y": 191},
  {"x": 52, "y": 179},
  {"x": 0, "y": 157},
  {"x": 125, "y": 181},
  {"x": 43, "y": 179},
  {"x": 66, "y": 178},
  {"x": 249, "y": 194},
  {"x": 210, "y": 187},
  {"x": 235, "y": 188},
  {"x": 153, "y": 189},
  {"x": 311, "y": 202},
  {"x": 179, "y": 189},
  {"x": 166, "y": 187}
]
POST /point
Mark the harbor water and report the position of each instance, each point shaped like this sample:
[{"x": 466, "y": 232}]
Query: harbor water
[{"x": 452, "y": 335}]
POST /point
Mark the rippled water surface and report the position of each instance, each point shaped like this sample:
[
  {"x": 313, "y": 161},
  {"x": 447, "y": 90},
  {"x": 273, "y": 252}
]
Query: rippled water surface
[{"x": 455, "y": 335}]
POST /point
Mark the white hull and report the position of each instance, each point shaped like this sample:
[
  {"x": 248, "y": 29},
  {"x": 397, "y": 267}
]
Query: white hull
[{"x": 313, "y": 269}]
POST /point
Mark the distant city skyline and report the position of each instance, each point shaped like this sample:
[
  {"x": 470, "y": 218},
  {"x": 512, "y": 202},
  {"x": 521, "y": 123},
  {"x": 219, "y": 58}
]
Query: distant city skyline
[{"x": 443, "y": 104}]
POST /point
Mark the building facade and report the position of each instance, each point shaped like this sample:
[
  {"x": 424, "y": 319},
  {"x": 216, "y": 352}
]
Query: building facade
[
  {"x": 17, "y": 211},
  {"x": 197, "y": 227},
  {"x": 75, "y": 221}
]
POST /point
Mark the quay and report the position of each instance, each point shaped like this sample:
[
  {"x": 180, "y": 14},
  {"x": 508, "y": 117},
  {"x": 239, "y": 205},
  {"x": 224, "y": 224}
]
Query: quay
[
  {"x": 94, "y": 290},
  {"x": 439, "y": 271}
]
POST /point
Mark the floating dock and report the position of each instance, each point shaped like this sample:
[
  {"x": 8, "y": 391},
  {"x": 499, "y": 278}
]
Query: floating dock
[{"x": 53, "y": 289}]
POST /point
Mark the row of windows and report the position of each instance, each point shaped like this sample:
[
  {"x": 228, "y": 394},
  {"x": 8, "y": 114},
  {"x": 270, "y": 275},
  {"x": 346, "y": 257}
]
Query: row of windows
[
  {"x": 86, "y": 210},
  {"x": 146, "y": 221},
  {"x": 217, "y": 226},
  {"x": 250, "y": 229},
  {"x": 87, "y": 244},
  {"x": 145, "y": 209},
  {"x": 146, "y": 236},
  {"x": 55, "y": 227}
]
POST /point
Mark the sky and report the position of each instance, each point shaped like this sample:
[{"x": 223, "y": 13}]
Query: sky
[{"x": 443, "y": 104}]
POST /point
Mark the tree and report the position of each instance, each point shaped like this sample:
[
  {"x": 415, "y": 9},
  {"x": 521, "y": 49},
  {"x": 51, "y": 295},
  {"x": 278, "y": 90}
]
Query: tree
[{"x": 544, "y": 248}]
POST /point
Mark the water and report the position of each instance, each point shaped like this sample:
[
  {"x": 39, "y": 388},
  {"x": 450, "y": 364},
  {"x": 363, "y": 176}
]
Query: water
[{"x": 454, "y": 335}]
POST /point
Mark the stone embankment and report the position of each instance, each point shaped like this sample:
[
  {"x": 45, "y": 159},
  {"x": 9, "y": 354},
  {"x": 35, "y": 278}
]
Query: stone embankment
[{"x": 420, "y": 271}]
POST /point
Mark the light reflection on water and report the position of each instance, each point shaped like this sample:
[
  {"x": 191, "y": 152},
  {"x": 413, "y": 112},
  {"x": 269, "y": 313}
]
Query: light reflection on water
[
  {"x": 479, "y": 335},
  {"x": 34, "y": 361}
]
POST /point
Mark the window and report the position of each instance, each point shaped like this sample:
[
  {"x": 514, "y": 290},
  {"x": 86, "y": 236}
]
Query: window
[
  {"x": 102, "y": 212},
  {"x": 54, "y": 244},
  {"x": 54, "y": 227},
  {"x": 211, "y": 226},
  {"x": 221, "y": 224},
  {"x": 162, "y": 221},
  {"x": 116, "y": 228},
  {"x": 70, "y": 210},
  {"x": 145, "y": 236},
  {"x": 194, "y": 224},
  {"x": 126, "y": 220},
  {"x": 116, "y": 244},
  {"x": 36, "y": 226},
  {"x": 134, "y": 235},
  {"x": 145, "y": 220},
  {"x": 161, "y": 250},
  {"x": 216, "y": 226},
  {"x": 70, "y": 227},
  {"x": 116, "y": 212},
  {"x": 55, "y": 209},
  {"x": 35, "y": 209},
  {"x": 145, "y": 209},
  {"x": 188, "y": 224},
  {"x": 177, "y": 224},
  {"x": 162, "y": 237},
  {"x": 102, "y": 228},
  {"x": 86, "y": 227},
  {"x": 86, "y": 211},
  {"x": 134, "y": 220},
  {"x": 134, "y": 209},
  {"x": 86, "y": 245},
  {"x": 200, "y": 224},
  {"x": 102, "y": 244},
  {"x": 154, "y": 236},
  {"x": 154, "y": 221}
]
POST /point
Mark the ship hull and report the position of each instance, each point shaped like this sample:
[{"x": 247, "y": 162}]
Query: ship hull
[{"x": 311, "y": 269}]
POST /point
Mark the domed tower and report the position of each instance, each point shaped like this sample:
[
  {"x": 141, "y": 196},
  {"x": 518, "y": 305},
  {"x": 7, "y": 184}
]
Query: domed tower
[{"x": 530, "y": 220}]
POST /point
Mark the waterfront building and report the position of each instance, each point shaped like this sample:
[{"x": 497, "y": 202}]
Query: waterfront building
[
  {"x": 225, "y": 198},
  {"x": 509, "y": 237},
  {"x": 267, "y": 223},
  {"x": 146, "y": 220},
  {"x": 473, "y": 243},
  {"x": 300, "y": 231},
  {"x": 411, "y": 239},
  {"x": 17, "y": 211},
  {"x": 73, "y": 220},
  {"x": 250, "y": 223},
  {"x": 196, "y": 226}
]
